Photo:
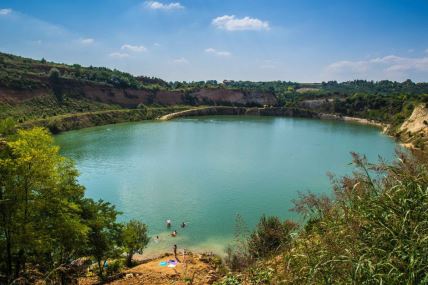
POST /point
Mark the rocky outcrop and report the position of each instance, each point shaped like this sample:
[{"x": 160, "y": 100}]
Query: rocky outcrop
[
  {"x": 418, "y": 120},
  {"x": 221, "y": 96},
  {"x": 414, "y": 131},
  {"x": 131, "y": 98},
  {"x": 69, "y": 122}
]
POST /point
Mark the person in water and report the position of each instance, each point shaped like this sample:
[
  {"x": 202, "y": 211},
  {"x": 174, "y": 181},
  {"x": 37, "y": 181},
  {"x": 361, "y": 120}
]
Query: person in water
[
  {"x": 174, "y": 233},
  {"x": 168, "y": 223},
  {"x": 157, "y": 239},
  {"x": 183, "y": 224}
]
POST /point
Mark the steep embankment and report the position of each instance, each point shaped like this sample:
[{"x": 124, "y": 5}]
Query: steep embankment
[
  {"x": 69, "y": 122},
  {"x": 131, "y": 98},
  {"x": 414, "y": 131}
]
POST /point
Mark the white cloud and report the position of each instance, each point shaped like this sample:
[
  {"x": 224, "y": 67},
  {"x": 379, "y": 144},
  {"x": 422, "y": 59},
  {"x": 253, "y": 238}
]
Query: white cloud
[
  {"x": 218, "y": 52},
  {"x": 4, "y": 12},
  {"x": 154, "y": 5},
  {"x": 87, "y": 41},
  {"x": 390, "y": 66},
  {"x": 133, "y": 48},
  {"x": 407, "y": 64},
  {"x": 181, "y": 60},
  {"x": 386, "y": 59},
  {"x": 231, "y": 23},
  {"x": 355, "y": 66},
  {"x": 118, "y": 55}
]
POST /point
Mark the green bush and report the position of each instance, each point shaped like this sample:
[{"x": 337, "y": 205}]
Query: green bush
[
  {"x": 259, "y": 275},
  {"x": 270, "y": 235},
  {"x": 375, "y": 231},
  {"x": 114, "y": 267},
  {"x": 230, "y": 280}
]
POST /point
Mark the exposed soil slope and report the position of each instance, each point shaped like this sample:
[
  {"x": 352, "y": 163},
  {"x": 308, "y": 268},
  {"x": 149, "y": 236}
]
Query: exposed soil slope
[
  {"x": 414, "y": 131},
  {"x": 131, "y": 98}
]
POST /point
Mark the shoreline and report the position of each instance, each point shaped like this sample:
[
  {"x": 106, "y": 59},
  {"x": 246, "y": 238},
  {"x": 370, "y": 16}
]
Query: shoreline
[
  {"x": 271, "y": 111},
  {"x": 69, "y": 122}
]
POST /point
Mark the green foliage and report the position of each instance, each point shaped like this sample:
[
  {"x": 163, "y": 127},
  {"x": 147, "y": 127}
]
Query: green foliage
[
  {"x": 237, "y": 254},
  {"x": 260, "y": 275},
  {"x": 54, "y": 74},
  {"x": 55, "y": 82},
  {"x": 114, "y": 267},
  {"x": 134, "y": 239},
  {"x": 230, "y": 280},
  {"x": 270, "y": 235},
  {"x": 45, "y": 221},
  {"x": 104, "y": 232},
  {"x": 7, "y": 127},
  {"x": 40, "y": 217},
  {"x": 48, "y": 106},
  {"x": 373, "y": 232},
  {"x": 22, "y": 73}
]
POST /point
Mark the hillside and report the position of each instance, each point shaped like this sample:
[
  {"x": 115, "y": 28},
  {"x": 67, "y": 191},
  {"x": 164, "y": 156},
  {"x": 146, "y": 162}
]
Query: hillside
[
  {"x": 63, "y": 97},
  {"x": 29, "y": 90}
]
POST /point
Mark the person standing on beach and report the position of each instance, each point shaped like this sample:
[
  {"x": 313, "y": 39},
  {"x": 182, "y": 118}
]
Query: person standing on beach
[{"x": 175, "y": 253}]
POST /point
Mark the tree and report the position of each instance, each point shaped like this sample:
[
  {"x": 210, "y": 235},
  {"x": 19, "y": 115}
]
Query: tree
[
  {"x": 40, "y": 219},
  {"x": 269, "y": 236},
  {"x": 134, "y": 238},
  {"x": 104, "y": 232},
  {"x": 55, "y": 82}
]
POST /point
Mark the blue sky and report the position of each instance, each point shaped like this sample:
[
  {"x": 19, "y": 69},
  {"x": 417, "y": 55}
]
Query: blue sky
[{"x": 305, "y": 41}]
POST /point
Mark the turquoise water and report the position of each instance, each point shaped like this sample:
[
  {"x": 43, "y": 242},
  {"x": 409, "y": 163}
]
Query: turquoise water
[{"x": 205, "y": 171}]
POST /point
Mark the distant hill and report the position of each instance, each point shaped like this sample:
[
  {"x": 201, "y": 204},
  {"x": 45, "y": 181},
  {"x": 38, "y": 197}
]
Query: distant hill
[{"x": 35, "y": 89}]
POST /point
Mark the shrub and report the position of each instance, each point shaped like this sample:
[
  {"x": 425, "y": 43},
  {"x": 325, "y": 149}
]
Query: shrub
[
  {"x": 261, "y": 275},
  {"x": 375, "y": 231},
  {"x": 114, "y": 267},
  {"x": 270, "y": 236},
  {"x": 230, "y": 280},
  {"x": 237, "y": 254},
  {"x": 54, "y": 80}
]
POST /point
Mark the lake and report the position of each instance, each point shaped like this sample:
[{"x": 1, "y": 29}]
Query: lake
[{"x": 206, "y": 170}]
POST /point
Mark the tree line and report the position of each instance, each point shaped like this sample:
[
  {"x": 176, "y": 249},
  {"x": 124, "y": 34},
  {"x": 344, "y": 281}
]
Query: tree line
[{"x": 46, "y": 223}]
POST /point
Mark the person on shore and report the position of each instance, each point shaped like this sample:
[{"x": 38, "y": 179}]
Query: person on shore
[
  {"x": 174, "y": 233},
  {"x": 175, "y": 253},
  {"x": 168, "y": 223}
]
